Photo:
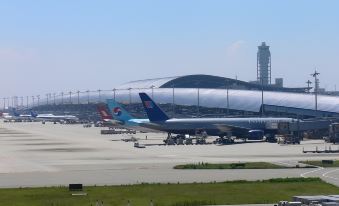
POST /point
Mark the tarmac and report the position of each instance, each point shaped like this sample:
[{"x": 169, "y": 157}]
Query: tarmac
[{"x": 35, "y": 155}]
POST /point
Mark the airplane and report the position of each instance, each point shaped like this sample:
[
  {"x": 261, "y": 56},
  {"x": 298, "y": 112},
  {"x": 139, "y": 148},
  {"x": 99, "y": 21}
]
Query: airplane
[
  {"x": 8, "y": 117},
  {"x": 53, "y": 118},
  {"x": 33, "y": 116},
  {"x": 248, "y": 128},
  {"x": 126, "y": 120},
  {"x": 15, "y": 116}
]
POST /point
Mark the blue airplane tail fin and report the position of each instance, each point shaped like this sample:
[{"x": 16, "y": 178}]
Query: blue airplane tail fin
[
  {"x": 117, "y": 111},
  {"x": 15, "y": 113},
  {"x": 33, "y": 114},
  {"x": 154, "y": 112}
]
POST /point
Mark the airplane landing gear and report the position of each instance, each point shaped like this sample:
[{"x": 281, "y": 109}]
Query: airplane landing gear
[
  {"x": 179, "y": 139},
  {"x": 201, "y": 136},
  {"x": 169, "y": 140},
  {"x": 225, "y": 139}
]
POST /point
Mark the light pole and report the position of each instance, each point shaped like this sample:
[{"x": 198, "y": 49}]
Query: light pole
[
  {"x": 70, "y": 97},
  {"x": 262, "y": 97},
  {"x": 22, "y": 101},
  {"x": 198, "y": 111},
  {"x": 308, "y": 85},
  {"x": 27, "y": 102},
  {"x": 87, "y": 96},
  {"x": 78, "y": 92},
  {"x": 114, "y": 90},
  {"x": 62, "y": 97},
  {"x": 316, "y": 85},
  {"x": 4, "y": 102},
  {"x": 33, "y": 98},
  {"x": 173, "y": 103},
  {"x": 38, "y": 96},
  {"x": 152, "y": 87},
  {"x": 99, "y": 93},
  {"x": 227, "y": 98},
  {"x": 130, "y": 95},
  {"x": 54, "y": 98},
  {"x": 47, "y": 96}
]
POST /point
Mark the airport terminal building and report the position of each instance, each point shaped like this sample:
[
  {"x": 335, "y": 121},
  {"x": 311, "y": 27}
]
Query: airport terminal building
[
  {"x": 203, "y": 95},
  {"x": 231, "y": 95}
]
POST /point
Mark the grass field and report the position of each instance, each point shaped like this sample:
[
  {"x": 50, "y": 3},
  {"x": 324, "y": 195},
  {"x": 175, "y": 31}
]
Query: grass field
[
  {"x": 247, "y": 165},
  {"x": 321, "y": 164},
  {"x": 237, "y": 192}
]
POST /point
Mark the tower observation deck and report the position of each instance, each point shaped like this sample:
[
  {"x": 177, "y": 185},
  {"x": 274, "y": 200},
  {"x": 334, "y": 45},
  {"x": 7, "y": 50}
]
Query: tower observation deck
[{"x": 264, "y": 64}]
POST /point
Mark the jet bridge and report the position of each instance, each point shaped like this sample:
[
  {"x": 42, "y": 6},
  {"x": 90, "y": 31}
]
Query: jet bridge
[
  {"x": 297, "y": 129},
  {"x": 304, "y": 125}
]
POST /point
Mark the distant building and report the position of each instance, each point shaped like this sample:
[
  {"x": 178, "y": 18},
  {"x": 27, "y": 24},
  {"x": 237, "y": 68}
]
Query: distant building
[
  {"x": 279, "y": 82},
  {"x": 321, "y": 90},
  {"x": 264, "y": 64}
]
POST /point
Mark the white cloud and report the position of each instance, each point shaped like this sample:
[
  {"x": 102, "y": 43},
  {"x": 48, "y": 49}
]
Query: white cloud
[{"x": 235, "y": 48}]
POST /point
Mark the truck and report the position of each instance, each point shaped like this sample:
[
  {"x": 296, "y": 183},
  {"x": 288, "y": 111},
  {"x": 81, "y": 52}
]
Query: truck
[
  {"x": 287, "y": 135},
  {"x": 288, "y": 139}
]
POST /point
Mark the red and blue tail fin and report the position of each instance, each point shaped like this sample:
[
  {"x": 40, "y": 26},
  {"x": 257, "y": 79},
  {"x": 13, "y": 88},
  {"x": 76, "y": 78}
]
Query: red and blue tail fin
[{"x": 104, "y": 112}]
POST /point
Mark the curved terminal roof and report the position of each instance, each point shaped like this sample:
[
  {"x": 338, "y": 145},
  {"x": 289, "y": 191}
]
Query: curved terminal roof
[
  {"x": 246, "y": 100},
  {"x": 147, "y": 83},
  {"x": 201, "y": 81},
  {"x": 243, "y": 96},
  {"x": 205, "y": 81},
  {"x": 212, "y": 93}
]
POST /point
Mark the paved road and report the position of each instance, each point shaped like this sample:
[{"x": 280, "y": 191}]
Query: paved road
[
  {"x": 330, "y": 175},
  {"x": 131, "y": 174},
  {"x": 32, "y": 154}
]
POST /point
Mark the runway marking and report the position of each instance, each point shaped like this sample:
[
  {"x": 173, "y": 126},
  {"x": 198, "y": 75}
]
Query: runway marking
[
  {"x": 331, "y": 171},
  {"x": 306, "y": 173},
  {"x": 285, "y": 163}
]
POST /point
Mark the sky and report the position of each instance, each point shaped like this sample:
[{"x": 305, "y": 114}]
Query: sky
[{"x": 69, "y": 45}]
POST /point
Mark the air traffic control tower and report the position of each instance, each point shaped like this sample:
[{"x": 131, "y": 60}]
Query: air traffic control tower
[{"x": 264, "y": 64}]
